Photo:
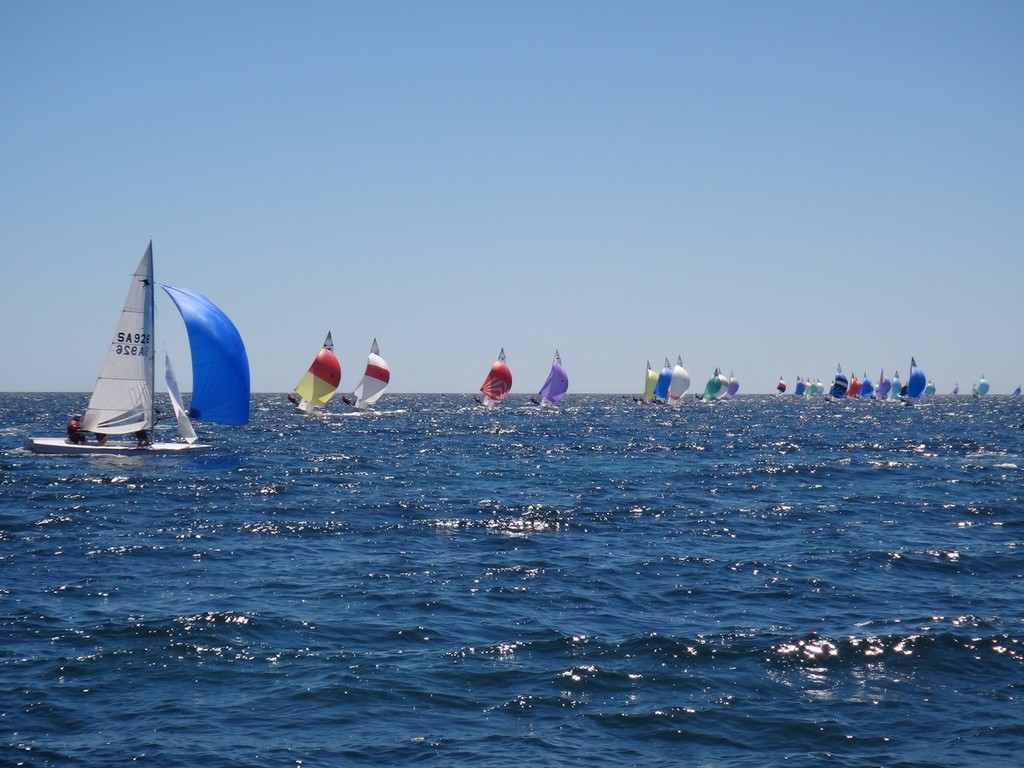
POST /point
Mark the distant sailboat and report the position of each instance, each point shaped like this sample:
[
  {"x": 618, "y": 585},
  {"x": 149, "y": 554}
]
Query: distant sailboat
[
  {"x": 867, "y": 388},
  {"x": 897, "y": 387},
  {"x": 122, "y": 400},
  {"x": 318, "y": 385},
  {"x": 556, "y": 385},
  {"x": 664, "y": 381},
  {"x": 854, "y": 388},
  {"x": 981, "y": 388},
  {"x": 956, "y": 389},
  {"x": 375, "y": 380},
  {"x": 839, "y": 384},
  {"x": 498, "y": 382},
  {"x": 650, "y": 382},
  {"x": 716, "y": 387},
  {"x": 1016, "y": 391},
  {"x": 916, "y": 382},
  {"x": 733, "y": 386},
  {"x": 781, "y": 386},
  {"x": 929, "y": 389},
  {"x": 801, "y": 387},
  {"x": 884, "y": 385},
  {"x": 680, "y": 381}
]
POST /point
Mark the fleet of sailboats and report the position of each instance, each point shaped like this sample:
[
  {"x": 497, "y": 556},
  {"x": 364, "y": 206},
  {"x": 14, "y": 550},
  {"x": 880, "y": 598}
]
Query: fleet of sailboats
[{"x": 122, "y": 402}]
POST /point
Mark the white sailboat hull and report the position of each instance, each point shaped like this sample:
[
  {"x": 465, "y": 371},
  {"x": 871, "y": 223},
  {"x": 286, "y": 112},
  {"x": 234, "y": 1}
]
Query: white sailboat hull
[{"x": 60, "y": 446}]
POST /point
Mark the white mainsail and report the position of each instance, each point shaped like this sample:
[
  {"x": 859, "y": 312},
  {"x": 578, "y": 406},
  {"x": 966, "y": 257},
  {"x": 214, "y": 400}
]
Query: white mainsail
[{"x": 122, "y": 401}]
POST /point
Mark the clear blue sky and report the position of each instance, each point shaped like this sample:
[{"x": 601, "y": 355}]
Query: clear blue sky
[{"x": 769, "y": 187}]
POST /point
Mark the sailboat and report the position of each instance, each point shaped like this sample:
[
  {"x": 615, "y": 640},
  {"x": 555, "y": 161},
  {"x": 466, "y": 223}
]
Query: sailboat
[
  {"x": 555, "y": 385},
  {"x": 801, "y": 387},
  {"x": 855, "y": 385},
  {"x": 956, "y": 388},
  {"x": 1016, "y": 391},
  {"x": 884, "y": 385},
  {"x": 781, "y": 386},
  {"x": 981, "y": 388},
  {"x": 650, "y": 382},
  {"x": 716, "y": 387},
  {"x": 680, "y": 380},
  {"x": 839, "y": 384},
  {"x": 664, "y": 380},
  {"x": 929, "y": 388},
  {"x": 375, "y": 380},
  {"x": 318, "y": 385},
  {"x": 122, "y": 400},
  {"x": 867, "y": 388},
  {"x": 915, "y": 383},
  {"x": 896, "y": 388},
  {"x": 733, "y": 386},
  {"x": 498, "y": 382}
]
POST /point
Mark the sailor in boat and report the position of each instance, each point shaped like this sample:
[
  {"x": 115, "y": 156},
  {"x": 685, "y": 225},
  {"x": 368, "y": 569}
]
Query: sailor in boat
[
  {"x": 76, "y": 434},
  {"x": 142, "y": 438}
]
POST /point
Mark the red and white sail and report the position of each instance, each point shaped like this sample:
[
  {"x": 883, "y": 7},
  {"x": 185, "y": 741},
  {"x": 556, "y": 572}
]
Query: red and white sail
[
  {"x": 375, "y": 379},
  {"x": 498, "y": 382}
]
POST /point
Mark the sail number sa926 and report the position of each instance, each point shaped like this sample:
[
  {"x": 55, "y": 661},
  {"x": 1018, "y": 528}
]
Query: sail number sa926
[{"x": 131, "y": 343}]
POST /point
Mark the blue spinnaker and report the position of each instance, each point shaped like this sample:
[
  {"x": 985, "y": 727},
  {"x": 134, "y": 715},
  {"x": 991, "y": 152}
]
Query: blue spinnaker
[
  {"x": 917, "y": 381},
  {"x": 839, "y": 384},
  {"x": 664, "y": 380},
  {"x": 220, "y": 366}
]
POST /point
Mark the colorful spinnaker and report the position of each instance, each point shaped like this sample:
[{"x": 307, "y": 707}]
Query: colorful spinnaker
[
  {"x": 854, "y": 389},
  {"x": 981, "y": 388},
  {"x": 897, "y": 387},
  {"x": 664, "y": 381},
  {"x": 319, "y": 383},
  {"x": 375, "y": 380},
  {"x": 867, "y": 388},
  {"x": 781, "y": 386},
  {"x": 650, "y": 382},
  {"x": 555, "y": 385},
  {"x": 916, "y": 382},
  {"x": 733, "y": 386},
  {"x": 498, "y": 382},
  {"x": 884, "y": 385},
  {"x": 839, "y": 384},
  {"x": 717, "y": 386}
]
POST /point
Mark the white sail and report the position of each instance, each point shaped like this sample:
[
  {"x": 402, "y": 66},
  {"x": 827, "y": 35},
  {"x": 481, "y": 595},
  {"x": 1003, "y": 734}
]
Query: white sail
[
  {"x": 680, "y": 380},
  {"x": 185, "y": 429},
  {"x": 122, "y": 401}
]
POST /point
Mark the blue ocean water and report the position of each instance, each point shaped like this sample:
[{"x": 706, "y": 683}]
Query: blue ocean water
[{"x": 763, "y": 581}]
